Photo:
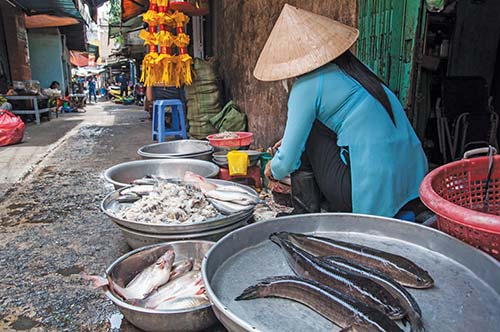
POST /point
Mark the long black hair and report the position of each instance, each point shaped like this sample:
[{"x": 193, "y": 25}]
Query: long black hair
[{"x": 351, "y": 65}]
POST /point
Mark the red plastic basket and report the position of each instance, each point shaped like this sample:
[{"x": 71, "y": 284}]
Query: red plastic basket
[
  {"x": 455, "y": 192},
  {"x": 244, "y": 139}
]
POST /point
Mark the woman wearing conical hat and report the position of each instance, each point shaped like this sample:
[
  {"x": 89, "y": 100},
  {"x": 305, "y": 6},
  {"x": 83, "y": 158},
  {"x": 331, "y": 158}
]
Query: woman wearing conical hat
[{"x": 347, "y": 139}]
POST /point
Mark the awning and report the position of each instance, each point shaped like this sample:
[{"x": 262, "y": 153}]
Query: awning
[
  {"x": 60, "y": 8},
  {"x": 48, "y": 21},
  {"x": 133, "y": 8},
  {"x": 79, "y": 59}
]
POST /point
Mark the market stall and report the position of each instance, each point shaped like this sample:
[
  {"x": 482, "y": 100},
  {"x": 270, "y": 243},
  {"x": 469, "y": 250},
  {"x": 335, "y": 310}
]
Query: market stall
[{"x": 210, "y": 247}]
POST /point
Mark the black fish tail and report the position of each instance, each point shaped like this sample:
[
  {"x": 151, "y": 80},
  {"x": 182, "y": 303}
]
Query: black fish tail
[{"x": 277, "y": 237}]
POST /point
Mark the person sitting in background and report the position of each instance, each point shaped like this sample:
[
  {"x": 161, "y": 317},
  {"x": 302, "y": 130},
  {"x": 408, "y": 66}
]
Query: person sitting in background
[
  {"x": 54, "y": 85},
  {"x": 11, "y": 91}
]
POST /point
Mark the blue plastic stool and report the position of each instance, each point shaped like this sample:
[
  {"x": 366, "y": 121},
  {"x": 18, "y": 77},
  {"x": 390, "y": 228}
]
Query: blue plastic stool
[{"x": 178, "y": 128}]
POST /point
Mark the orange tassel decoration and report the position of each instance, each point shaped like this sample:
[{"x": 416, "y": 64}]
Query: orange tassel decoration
[
  {"x": 184, "y": 60},
  {"x": 165, "y": 39},
  {"x": 151, "y": 73}
]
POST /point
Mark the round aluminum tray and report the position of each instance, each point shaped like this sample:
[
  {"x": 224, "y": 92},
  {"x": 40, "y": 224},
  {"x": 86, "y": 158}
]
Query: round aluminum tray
[
  {"x": 176, "y": 149},
  {"x": 109, "y": 204},
  {"x": 466, "y": 296},
  {"x": 124, "y": 174},
  {"x": 125, "y": 268}
]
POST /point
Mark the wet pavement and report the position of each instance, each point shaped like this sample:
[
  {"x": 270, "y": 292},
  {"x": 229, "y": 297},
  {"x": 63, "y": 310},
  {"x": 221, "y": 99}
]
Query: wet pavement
[{"x": 51, "y": 228}]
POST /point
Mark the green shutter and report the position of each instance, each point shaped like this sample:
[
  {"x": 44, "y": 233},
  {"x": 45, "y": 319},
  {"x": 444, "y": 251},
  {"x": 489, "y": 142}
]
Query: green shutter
[{"x": 388, "y": 31}]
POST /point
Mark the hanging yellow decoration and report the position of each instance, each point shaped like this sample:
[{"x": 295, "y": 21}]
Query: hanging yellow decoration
[
  {"x": 162, "y": 67},
  {"x": 165, "y": 59},
  {"x": 151, "y": 16},
  {"x": 184, "y": 60},
  {"x": 149, "y": 37},
  {"x": 150, "y": 74},
  {"x": 149, "y": 66},
  {"x": 180, "y": 19}
]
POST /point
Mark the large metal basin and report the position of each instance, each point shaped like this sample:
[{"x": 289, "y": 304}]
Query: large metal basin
[
  {"x": 109, "y": 205},
  {"x": 186, "y": 149},
  {"x": 124, "y": 174},
  {"x": 466, "y": 296},
  {"x": 126, "y": 267},
  {"x": 137, "y": 239}
]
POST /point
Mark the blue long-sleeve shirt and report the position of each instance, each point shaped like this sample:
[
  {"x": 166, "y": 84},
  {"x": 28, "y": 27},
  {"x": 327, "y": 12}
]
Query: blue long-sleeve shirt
[{"x": 386, "y": 160}]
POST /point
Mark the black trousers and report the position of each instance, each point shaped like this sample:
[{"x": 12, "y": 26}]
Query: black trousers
[{"x": 333, "y": 177}]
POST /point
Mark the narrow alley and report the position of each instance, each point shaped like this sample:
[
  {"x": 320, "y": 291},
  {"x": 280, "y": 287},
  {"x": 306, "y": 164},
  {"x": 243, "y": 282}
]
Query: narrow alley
[{"x": 51, "y": 225}]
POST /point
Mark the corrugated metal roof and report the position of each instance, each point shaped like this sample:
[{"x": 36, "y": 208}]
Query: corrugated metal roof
[{"x": 50, "y": 7}]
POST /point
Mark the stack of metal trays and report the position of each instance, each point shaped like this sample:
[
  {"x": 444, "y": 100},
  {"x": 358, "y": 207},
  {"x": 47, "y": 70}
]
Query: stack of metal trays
[
  {"x": 139, "y": 234},
  {"x": 185, "y": 149}
]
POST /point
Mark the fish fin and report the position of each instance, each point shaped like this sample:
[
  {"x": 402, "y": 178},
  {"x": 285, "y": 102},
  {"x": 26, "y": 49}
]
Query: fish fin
[
  {"x": 97, "y": 281},
  {"x": 200, "y": 291},
  {"x": 118, "y": 290}
]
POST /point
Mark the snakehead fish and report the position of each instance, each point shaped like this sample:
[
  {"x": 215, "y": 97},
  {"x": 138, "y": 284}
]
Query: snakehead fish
[
  {"x": 342, "y": 310},
  {"x": 414, "y": 313},
  {"x": 399, "y": 268},
  {"x": 361, "y": 288}
]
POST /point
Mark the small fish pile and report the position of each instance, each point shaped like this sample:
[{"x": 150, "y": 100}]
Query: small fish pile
[
  {"x": 164, "y": 285},
  {"x": 165, "y": 203},
  {"x": 227, "y": 199},
  {"x": 356, "y": 287},
  {"x": 160, "y": 201},
  {"x": 226, "y": 135}
]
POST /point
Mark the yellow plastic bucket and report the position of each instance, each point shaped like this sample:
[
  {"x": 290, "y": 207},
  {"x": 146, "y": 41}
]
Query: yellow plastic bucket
[{"x": 238, "y": 163}]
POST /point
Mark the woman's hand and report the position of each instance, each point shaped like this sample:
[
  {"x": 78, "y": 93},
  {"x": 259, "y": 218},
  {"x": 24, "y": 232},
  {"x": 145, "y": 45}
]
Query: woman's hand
[
  {"x": 267, "y": 171},
  {"x": 278, "y": 144}
]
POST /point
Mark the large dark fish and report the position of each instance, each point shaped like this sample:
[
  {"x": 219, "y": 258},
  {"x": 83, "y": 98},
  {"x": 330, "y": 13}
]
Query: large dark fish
[
  {"x": 407, "y": 301},
  {"x": 344, "y": 311},
  {"x": 363, "y": 289},
  {"x": 399, "y": 268}
]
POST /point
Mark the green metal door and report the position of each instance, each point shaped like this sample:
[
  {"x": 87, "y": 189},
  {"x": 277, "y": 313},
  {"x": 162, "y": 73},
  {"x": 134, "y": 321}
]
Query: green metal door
[{"x": 387, "y": 42}]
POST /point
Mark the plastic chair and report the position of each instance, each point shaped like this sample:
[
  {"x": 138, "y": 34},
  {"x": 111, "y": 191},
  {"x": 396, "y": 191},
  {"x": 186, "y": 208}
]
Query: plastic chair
[
  {"x": 465, "y": 117},
  {"x": 178, "y": 126}
]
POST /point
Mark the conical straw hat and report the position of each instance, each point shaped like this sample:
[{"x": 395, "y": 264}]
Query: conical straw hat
[{"x": 300, "y": 42}]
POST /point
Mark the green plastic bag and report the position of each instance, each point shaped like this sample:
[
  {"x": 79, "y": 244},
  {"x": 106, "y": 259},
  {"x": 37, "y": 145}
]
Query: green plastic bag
[{"x": 229, "y": 119}]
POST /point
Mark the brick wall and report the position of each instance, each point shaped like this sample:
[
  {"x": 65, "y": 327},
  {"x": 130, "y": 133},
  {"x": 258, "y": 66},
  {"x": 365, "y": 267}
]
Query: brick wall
[{"x": 17, "y": 42}]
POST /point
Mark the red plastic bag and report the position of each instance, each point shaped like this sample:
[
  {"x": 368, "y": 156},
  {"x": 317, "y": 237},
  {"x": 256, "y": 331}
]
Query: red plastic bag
[{"x": 11, "y": 128}]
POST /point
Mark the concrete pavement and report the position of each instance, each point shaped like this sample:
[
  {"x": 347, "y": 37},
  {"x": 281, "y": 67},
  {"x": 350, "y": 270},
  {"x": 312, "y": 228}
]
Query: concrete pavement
[
  {"x": 51, "y": 226},
  {"x": 17, "y": 161}
]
